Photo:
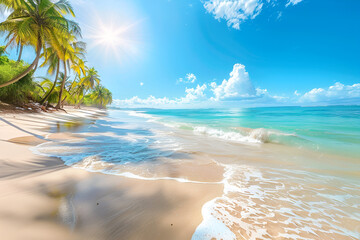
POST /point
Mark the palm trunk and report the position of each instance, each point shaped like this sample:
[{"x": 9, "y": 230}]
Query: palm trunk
[
  {"x": 36, "y": 66},
  {"x": 63, "y": 101},
  {"x": 81, "y": 100},
  {"x": 58, "y": 106},
  {"x": 20, "y": 53},
  {"x": 31, "y": 67},
  {"x": 53, "y": 87}
]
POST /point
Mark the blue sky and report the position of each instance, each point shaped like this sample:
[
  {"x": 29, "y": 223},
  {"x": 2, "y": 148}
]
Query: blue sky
[{"x": 177, "y": 53}]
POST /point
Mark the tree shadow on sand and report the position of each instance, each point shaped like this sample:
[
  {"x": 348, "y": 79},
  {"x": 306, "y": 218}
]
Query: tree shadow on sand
[
  {"x": 103, "y": 206},
  {"x": 121, "y": 147}
]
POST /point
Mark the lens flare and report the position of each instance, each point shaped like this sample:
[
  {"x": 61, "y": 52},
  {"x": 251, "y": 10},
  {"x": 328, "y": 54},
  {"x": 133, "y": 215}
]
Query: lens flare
[{"x": 114, "y": 39}]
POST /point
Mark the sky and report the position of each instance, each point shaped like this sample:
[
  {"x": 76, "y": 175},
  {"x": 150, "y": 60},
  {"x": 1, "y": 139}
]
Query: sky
[{"x": 223, "y": 53}]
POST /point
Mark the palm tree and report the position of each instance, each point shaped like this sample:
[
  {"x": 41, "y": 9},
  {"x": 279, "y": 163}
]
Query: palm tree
[
  {"x": 41, "y": 22},
  {"x": 72, "y": 54},
  {"x": 11, "y": 4},
  {"x": 47, "y": 85},
  {"x": 12, "y": 37},
  {"x": 52, "y": 60},
  {"x": 101, "y": 96},
  {"x": 90, "y": 81},
  {"x": 14, "y": 40}
]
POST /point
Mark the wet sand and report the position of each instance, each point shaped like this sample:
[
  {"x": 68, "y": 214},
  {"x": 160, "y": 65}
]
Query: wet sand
[{"x": 40, "y": 198}]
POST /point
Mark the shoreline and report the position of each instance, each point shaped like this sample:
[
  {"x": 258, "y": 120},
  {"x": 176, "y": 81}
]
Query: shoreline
[
  {"x": 131, "y": 178},
  {"x": 51, "y": 199}
]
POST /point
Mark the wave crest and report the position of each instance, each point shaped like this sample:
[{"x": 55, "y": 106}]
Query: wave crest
[{"x": 259, "y": 135}]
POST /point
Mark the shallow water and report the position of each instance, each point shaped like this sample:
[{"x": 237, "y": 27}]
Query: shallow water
[{"x": 288, "y": 173}]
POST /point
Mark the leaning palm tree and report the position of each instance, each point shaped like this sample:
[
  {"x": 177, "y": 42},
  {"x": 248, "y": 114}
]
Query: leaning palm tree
[
  {"x": 41, "y": 22},
  {"x": 52, "y": 60},
  {"x": 101, "y": 96},
  {"x": 79, "y": 68},
  {"x": 90, "y": 81},
  {"x": 47, "y": 85},
  {"x": 72, "y": 54}
]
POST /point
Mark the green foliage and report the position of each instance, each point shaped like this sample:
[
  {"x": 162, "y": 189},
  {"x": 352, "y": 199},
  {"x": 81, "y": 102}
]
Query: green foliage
[
  {"x": 3, "y": 59},
  {"x": 19, "y": 92},
  {"x": 47, "y": 84},
  {"x": 99, "y": 97},
  {"x": 2, "y": 50},
  {"x": 43, "y": 24}
]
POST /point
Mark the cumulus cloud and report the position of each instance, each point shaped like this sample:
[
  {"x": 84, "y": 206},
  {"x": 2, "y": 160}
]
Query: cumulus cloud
[
  {"x": 194, "y": 94},
  {"x": 189, "y": 78},
  {"x": 336, "y": 92},
  {"x": 238, "y": 86},
  {"x": 293, "y": 2},
  {"x": 238, "y": 90},
  {"x": 234, "y": 11}
]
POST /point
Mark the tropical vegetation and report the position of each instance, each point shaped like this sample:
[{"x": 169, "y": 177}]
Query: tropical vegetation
[{"x": 48, "y": 28}]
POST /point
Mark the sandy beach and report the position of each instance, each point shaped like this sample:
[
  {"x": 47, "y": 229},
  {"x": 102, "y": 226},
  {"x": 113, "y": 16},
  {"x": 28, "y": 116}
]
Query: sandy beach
[
  {"x": 41, "y": 198},
  {"x": 180, "y": 120}
]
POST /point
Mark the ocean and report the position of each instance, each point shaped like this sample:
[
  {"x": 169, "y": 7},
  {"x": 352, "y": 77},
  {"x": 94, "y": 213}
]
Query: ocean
[{"x": 288, "y": 172}]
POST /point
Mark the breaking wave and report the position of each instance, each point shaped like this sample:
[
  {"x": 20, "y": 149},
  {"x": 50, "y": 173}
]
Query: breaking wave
[{"x": 234, "y": 134}]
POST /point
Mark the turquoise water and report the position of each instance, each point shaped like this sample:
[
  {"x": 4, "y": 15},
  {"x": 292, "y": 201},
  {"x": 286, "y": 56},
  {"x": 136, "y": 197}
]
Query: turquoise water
[
  {"x": 333, "y": 129},
  {"x": 279, "y": 180}
]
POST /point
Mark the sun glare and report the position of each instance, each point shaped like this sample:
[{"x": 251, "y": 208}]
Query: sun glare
[
  {"x": 120, "y": 40},
  {"x": 109, "y": 36}
]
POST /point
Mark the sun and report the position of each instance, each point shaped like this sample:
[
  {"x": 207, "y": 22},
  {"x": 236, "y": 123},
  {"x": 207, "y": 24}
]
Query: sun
[
  {"x": 114, "y": 39},
  {"x": 108, "y": 37}
]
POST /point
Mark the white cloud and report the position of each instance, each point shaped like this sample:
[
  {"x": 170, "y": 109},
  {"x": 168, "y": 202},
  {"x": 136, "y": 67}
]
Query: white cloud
[
  {"x": 234, "y": 11},
  {"x": 238, "y": 86},
  {"x": 293, "y": 2},
  {"x": 192, "y": 95},
  {"x": 189, "y": 78},
  {"x": 336, "y": 92},
  {"x": 238, "y": 91},
  {"x": 136, "y": 101},
  {"x": 141, "y": 84}
]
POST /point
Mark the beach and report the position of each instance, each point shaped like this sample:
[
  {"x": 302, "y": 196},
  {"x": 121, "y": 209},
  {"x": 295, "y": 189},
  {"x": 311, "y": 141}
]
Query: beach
[
  {"x": 150, "y": 174},
  {"x": 180, "y": 120},
  {"x": 41, "y": 198}
]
